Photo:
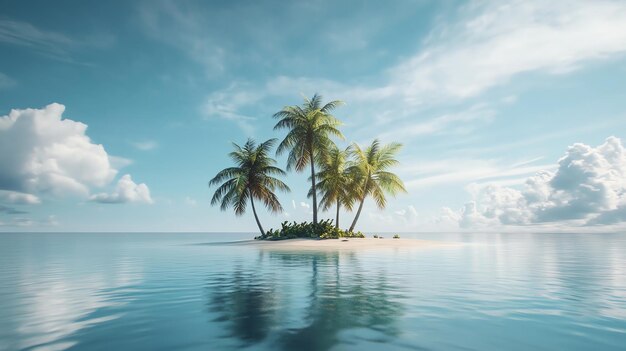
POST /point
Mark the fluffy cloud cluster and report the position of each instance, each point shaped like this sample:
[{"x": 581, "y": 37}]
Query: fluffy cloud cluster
[
  {"x": 41, "y": 153},
  {"x": 125, "y": 191},
  {"x": 44, "y": 153},
  {"x": 589, "y": 186}
]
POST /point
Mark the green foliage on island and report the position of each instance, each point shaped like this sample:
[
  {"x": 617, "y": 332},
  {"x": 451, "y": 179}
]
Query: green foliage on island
[
  {"x": 396, "y": 236},
  {"x": 322, "y": 230}
]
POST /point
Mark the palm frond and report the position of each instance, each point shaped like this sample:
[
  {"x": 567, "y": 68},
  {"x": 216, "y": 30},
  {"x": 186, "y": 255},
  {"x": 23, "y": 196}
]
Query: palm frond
[
  {"x": 331, "y": 106},
  {"x": 224, "y": 174},
  {"x": 253, "y": 176}
]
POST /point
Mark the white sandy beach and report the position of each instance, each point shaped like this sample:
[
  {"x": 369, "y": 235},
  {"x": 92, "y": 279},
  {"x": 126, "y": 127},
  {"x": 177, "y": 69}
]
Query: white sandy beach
[{"x": 346, "y": 244}]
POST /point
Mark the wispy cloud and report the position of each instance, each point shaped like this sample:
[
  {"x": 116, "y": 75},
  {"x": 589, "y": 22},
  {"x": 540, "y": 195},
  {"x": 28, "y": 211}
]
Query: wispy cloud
[
  {"x": 6, "y": 81},
  {"x": 184, "y": 28},
  {"x": 14, "y": 197},
  {"x": 495, "y": 41},
  {"x": 463, "y": 171},
  {"x": 50, "y": 43},
  {"x": 145, "y": 145},
  {"x": 199, "y": 32},
  {"x": 231, "y": 102},
  {"x": 227, "y": 104},
  {"x": 487, "y": 45},
  {"x": 50, "y": 221},
  {"x": 27, "y": 35},
  {"x": 527, "y": 162},
  {"x": 461, "y": 122}
]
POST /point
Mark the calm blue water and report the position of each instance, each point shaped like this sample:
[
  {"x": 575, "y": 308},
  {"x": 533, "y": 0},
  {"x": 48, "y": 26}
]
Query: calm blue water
[{"x": 165, "y": 291}]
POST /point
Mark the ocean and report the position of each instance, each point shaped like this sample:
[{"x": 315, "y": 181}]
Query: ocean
[{"x": 193, "y": 291}]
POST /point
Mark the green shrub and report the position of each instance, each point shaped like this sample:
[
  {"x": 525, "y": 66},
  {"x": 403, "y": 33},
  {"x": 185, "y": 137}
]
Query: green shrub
[
  {"x": 396, "y": 236},
  {"x": 322, "y": 230}
]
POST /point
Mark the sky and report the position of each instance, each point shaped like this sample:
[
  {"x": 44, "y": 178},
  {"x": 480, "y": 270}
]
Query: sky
[{"x": 114, "y": 115}]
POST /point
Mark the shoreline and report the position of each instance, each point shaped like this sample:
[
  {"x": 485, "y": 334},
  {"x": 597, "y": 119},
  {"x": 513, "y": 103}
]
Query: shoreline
[{"x": 303, "y": 244}]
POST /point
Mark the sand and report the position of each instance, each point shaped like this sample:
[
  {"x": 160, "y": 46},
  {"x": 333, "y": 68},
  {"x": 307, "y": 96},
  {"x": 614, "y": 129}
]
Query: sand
[{"x": 344, "y": 244}]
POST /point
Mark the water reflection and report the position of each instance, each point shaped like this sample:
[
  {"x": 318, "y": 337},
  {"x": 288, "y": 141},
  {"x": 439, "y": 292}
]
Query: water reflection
[
  {"x": 149, "y": 292},
  {"x": 47, "y": 297},
  {"x": 340, "y": 304},
  {"x": 244, "y": 303}
]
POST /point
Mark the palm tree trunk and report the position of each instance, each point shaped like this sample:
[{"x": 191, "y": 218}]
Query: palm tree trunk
[
  {"x": 256, "y": 217},
  {"x": 337, "y": 219},
  {"x": 313, "y": 185},
  {"x": 358, "y": 213}
]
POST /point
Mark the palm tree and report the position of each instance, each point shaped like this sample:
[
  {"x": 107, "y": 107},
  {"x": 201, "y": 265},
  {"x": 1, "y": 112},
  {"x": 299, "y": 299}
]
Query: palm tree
[
  {"x": 370, "y": 171},
  {"x": 310, "y": 127},
  {"x": 252, "y": 178},
  {"x": 335, "y": 182}
]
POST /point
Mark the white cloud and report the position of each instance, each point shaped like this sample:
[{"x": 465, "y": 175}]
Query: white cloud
[
  {"x": 225, "y": 105},
  {"x": 453, "y": 123},
  {"x": 125, "y": 191},
  {"x": 145, "y": 145},
  {"x": 14, "y": 197},
  {"x": 304, "y": 205},
  {"x": 588, "y": 186},
  {"x": 471, "y": 217},
  {"x": 448, "y": 217},
  {"x": 42, "y": 153},
  {"x": 495, "y": 41}
]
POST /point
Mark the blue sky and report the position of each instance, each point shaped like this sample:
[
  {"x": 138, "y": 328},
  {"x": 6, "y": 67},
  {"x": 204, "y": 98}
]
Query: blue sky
[{"x": 512, "y": 114}]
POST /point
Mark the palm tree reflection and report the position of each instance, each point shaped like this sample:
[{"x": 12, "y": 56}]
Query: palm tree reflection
[
  {"x": 340, "y": 299},
  {"x": 246, "y": 303}
]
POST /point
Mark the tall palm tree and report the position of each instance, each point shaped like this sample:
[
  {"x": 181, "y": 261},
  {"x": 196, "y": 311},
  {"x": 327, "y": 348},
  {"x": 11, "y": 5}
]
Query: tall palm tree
[
  {"x": 335, "y": 184},
  {"x": 251, "y": 178},
  {"x": 370, "y": 170},
  {"x": 310, "y": 128}
]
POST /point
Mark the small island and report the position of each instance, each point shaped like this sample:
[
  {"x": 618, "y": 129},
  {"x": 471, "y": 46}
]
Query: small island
[{"x": 341, "y": 178}]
